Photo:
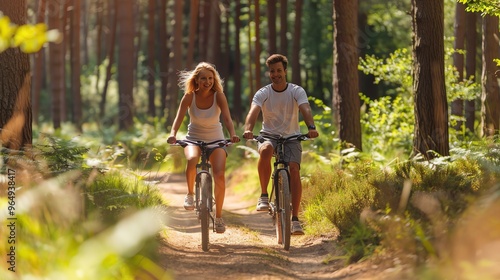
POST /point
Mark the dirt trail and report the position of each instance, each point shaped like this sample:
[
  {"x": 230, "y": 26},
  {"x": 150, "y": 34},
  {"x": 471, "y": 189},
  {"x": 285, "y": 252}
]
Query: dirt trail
[{"x": 248, "y": 249}]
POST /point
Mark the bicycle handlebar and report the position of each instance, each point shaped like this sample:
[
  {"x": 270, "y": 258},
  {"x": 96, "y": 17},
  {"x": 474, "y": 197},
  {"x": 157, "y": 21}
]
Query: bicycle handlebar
[
  {"x": 220, "y": 143},
  {"x": 261, "y": 138}
]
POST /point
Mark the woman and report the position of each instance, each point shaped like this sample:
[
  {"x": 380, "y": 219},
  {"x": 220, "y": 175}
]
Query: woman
[{"x": 204, "y": 100}]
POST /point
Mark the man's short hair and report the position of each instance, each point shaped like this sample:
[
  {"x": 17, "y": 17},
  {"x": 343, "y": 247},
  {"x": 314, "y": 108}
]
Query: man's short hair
[{"x": 275, "y": 58}]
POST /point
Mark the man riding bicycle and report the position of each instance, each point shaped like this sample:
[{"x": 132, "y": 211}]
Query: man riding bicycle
[{"x": 280, "y": 103}]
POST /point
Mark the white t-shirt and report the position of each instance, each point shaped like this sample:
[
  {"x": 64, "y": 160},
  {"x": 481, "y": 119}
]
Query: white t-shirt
[
  {"x": 280, "y": 110},
  {"x": 204, "y": 124}
]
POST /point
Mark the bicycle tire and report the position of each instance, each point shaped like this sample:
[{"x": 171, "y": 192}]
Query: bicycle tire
[
  {"x": 206, "y": 196},
  {"x": 285, "y": 209},
  {"x": 273, "y": 210}
]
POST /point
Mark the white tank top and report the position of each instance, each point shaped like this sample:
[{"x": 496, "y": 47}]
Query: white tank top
[{"x": 204, "y": 124}]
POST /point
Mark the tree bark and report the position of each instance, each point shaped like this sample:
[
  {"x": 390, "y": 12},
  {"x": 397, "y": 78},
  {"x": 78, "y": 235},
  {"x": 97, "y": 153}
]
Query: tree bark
[
  {"x": 164, "y": 57},
  {"x": 296, "y": 42},
  {"x": 56, "y": 55},
  {"x": 15, "y": 86},
  {"x": 271, "y": 26},
  {"x": 490, "y": 97},
  {"x": 431, "y": 108},
  {"x": 237, "y": 100},
  {"x": 258, "y": 48},
  {"x": 112, "y": 10},
  {"x": 470, "y": 66},
  {"x": 151, "y": 72},
  {"x": 193, "y": 30},
  {"x": 457, "y": 106},
  {"x": 76, "y": 66},
  {"x": 283, "y": 27},
  {"x": 172, "y": 88},
  {"x": 126, "y": 64},
  {"x": 346, "y": 102},
  {"x": 38, "y": 73}
]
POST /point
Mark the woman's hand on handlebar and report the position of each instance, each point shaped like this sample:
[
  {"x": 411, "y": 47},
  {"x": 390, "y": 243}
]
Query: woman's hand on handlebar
[
  {"x": 171, "y": 139},
  {"x": 235, "y": 139}
]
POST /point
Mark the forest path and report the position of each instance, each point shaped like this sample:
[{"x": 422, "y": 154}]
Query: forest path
[{"x": 248, "y": 249}]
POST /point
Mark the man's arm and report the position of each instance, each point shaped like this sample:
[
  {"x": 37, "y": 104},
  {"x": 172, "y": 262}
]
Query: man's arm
[
  {"x": 250, "y": 121},
  {"x": 306, "y": 112}
]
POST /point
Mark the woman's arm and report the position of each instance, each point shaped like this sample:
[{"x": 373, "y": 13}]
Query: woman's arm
[
  {"x": 226, "y": 116},
  {"x": 181, "y": 113}
]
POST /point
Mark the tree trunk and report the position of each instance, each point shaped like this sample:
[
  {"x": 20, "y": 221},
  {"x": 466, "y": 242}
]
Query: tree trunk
[
  {"x": 237, "y": 100},
  {"x": 164, "y": 57},
  {"x": 296, "y": 43},
  {"x": 431, "y": 108},
  {"x": 112, "y": 10},
  {"x": 56, "y": 55},
  {"x": 172, "y": 88},
  {"x": 283, "y": 27},
  {"x": 38, "y": 73},
  {"x": 258, "y": 48},
  {"x": 126, "y": 64},
  {"x": 193, "y": 32},
  {"x": 204, "y": 28},
  {"x": 490, "y": 99},
  {"x": 76, "y": 65},
  {"x": 98, "y": 46},
  {"x": 345, "y": 72},
  {"x": 151, "y": 59},
  {"x": 85, "y": 31},
  {"x": 271, "y": 25},
  {"x": 225, "y": 53},
  {"x": 457, "y": 106},
  {"x": 215, "y": 35},
  {"x": 15, "y": 82},
  {"x": 470, "y": 65}
]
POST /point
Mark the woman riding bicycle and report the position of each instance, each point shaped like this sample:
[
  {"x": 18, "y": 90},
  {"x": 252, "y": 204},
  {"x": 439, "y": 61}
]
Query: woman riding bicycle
[
  {"x": 204, "y": 100},
  {"x": 280, "y": 103}
]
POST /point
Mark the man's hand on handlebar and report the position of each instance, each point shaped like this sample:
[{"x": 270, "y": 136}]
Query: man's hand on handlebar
[
  {"x": 313, "y": 133},
  {"x": 248, "y": 135}
]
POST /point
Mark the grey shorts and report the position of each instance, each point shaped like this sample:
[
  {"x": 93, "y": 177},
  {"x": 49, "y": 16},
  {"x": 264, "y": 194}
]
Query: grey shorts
[{"x": 293, "y": 150}]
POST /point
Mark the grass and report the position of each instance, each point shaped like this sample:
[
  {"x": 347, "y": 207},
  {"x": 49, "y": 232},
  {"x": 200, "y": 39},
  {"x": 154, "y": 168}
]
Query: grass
[{"x": 74, "y": 221}]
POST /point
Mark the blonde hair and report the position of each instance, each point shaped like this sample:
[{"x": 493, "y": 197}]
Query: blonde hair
[{"x": 187, "y": 79}]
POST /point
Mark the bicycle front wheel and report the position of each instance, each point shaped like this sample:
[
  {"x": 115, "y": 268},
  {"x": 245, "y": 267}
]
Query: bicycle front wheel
[
  {"x": 284, "y": 215},
  {"x": 206, "y": 198}
]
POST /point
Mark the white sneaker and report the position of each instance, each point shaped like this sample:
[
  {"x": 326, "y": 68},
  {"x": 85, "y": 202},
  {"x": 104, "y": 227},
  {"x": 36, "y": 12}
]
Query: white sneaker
[
  {"x": 220, "y": 227},
  {"x": 297, "y": 228},
  {"x": 263, "y": 204},
  {"x": 189, "y": 202}
]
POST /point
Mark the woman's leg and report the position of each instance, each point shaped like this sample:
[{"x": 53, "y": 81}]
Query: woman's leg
[
  {"x": 192, "y": 154},
  {"x": 218, "y": 162}
]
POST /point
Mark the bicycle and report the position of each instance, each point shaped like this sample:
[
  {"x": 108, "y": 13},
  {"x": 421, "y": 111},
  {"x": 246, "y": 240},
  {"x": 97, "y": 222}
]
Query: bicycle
[
  {"x": 204, "y": 199},
  {"x": 280, "y": 198}
]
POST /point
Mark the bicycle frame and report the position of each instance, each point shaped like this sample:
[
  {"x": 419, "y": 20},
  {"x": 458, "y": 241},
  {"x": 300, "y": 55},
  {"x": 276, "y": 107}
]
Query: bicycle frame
[
  {"x": 203, "y": 187},
  {"x": 280, "y": 205}
]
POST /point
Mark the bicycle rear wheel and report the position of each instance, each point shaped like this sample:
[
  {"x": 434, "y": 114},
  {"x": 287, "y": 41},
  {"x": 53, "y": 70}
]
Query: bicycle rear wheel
[
  {"x": 284, "y": 213},
  {"x": 206, "y": 197}
]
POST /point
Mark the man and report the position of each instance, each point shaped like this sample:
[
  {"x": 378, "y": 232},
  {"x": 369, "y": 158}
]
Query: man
[{"x": 280, "y": 103}]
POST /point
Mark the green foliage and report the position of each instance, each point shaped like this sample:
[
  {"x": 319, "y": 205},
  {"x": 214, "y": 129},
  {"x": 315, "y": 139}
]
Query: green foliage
[
  {"x": 59, "y": 155},
  {"x": 118, "y": 192},
  {"x": 29, "y": 38},
  {"x": 489, "y": 7},
  {"x": 360, "y": 242},
  {"x": 108, "y": 233},
  {"x": 388, "y": 122},
  {"x": 56, "y": 240}
]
